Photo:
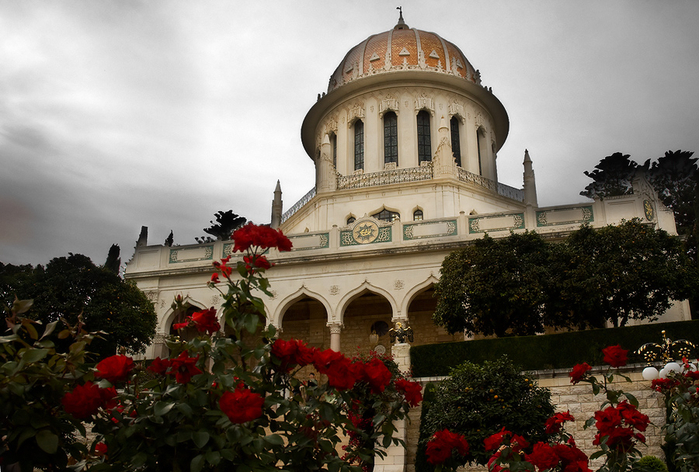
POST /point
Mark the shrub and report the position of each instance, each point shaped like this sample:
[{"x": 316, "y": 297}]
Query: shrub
[
  {"x": 479, "y": 400},
  {"x": 649, "y": 464}
]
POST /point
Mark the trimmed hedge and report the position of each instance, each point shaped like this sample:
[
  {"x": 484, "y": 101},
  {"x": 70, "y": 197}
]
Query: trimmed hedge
[{"x": 553, "y": 351}]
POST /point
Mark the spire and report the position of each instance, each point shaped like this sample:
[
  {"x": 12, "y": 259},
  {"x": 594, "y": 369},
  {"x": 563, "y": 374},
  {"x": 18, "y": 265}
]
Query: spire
[
  {"x": 401, "y": 23},
  {"x": 277, "y": 207},
  {"x": 529, "y": 181}
]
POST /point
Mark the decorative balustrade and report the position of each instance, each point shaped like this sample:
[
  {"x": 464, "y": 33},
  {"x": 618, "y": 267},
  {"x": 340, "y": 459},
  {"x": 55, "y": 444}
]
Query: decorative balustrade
[
  {"x": 511, "y": 192},
  {"x": 386, "y": 177},
  {"x": 502, "y": 189},
  {"x": 411, "y": 174},
  {"x": 297, "y": 206}
]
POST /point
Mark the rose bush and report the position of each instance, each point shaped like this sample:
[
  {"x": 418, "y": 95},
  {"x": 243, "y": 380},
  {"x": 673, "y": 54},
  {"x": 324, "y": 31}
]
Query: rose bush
[
  {"x": 681, "y": 395},
  {"x": 619, "y": 423},
  {"x": 222, "y": 401}
]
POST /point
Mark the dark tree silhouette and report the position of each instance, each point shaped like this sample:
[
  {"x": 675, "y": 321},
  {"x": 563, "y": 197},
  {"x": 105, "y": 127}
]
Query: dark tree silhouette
[
  {"x": 113, "y": 262},
  {"x": 222, "y": 229}
]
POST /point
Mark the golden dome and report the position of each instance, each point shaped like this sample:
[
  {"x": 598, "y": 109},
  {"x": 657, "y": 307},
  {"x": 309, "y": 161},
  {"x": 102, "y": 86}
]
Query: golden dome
[{"x": 402, "y": 48}]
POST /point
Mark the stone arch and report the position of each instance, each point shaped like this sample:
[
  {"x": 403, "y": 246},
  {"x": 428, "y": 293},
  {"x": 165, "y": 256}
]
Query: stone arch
[
  {"x": 361, "y": 309},
  {"x": 169, "y": 316},
  {"x": 419, "y": 307},
  {"x": 304, "y": 315}
]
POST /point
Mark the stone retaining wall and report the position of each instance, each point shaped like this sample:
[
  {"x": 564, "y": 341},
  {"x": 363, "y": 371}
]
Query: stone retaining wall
[{"x": 582, "y": 404}]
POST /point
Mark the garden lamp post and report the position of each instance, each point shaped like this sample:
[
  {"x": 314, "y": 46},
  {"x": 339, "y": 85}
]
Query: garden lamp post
[{"x": 653, "y": 352}]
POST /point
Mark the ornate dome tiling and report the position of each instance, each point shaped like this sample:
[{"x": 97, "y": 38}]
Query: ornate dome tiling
[{"x": 402, "y": 49}]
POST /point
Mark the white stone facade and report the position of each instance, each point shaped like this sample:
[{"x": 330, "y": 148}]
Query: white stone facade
[{"x": 351, "y": 273}]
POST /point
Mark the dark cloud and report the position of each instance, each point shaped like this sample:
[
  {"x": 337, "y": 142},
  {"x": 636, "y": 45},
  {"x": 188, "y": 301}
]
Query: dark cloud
[{"x": 118, "y": 114}]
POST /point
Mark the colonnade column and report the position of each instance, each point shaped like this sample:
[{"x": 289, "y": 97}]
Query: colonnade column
[{"x": 335, "y": 330}]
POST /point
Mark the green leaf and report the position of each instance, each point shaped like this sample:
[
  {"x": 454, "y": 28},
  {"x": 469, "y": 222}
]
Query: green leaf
[
  {"x": 213, "y": 457},
  {"x": 161, "y": 408},
  {"x": 49, "y": 328},
  {"x": 197, "y": 463},
  {"x": 274, "y": 440},
  {"x": 200, "y": 438},
  {"x": 47, "y": 441},
  {"x": 34, "y": 355}
]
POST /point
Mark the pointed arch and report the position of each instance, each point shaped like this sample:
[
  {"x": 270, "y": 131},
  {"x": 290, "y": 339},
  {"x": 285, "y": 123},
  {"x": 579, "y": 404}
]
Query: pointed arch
[
  {"x": 357, "y": 292},
  {"x": 169, "y": 316},
  {"x": 416, "y": 290},
  {"x": 289, "y": 300}
]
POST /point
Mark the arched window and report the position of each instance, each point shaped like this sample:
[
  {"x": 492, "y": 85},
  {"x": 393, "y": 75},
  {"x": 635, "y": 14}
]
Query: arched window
[
  {"x": 417, "y": 215},
  {"x": 455, "y": 140},
  {"x": 333, "y": 146},
  {"x": 480, "y": 140},
  {"x": 387, "y": 215},
  {"x": 358, "y": 145},
  {"x": 351, "y": 220},
  {"x": 424, "y": 146},
  {"x": 390, "y": 138}
]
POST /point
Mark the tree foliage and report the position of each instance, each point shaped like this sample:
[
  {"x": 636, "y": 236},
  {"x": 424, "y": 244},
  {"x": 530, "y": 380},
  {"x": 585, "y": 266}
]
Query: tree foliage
[
  {"x": 674, "y": 176},
  {"x": 495, "y": 286},
  {"x": 521, "y": 284},
  {"x": 611, "y": 177},
  {"x": 73, "y": 286},
  {"x": 222, "y": 229},
  {"x": 479, "y": 400},
  {"x": 113, "y": 262}
]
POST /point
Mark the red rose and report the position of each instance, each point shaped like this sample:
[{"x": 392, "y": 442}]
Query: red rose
[
  {"x": 615, "y": 356},
  {"x": 692, "y": 374},
  {"x": 225, "y": 270},
  {"x": 664, "y": 385},
  {"x": 543, "y": 456},
  {"x": 206, "y": 321},
  {"x": 285, "y": 351},
  {"x": 607, "y": 419},
  {"x": 377, "y": 375},
  {"x": 342, "y": 374},
  {"x": 214, "y": 278},
  {"x": 100, "y": 449},
  {"x": 107, "y": 396},
  {"x": 322, "y": 360},
  {"x": 578, "y": 372},
  {"x": 159, "y": 366},
  {"x": 256, "y": 262},
  {"x": 517, "y": 443},
  {"x": 572, "y": 458},
  {"x": 260, "y": 236},
  {"x": 83, "y": 401},
  {"x": 411, "y": 390},
  {"x": 632, "y": 416},
  {"x": 304, "y": 354},
  {"x": 494, "y": 441},
  {"x": 114, "y": 368},
  {"x": 555, "y": 423},
  {"x": 184, "y": 367},
  {"x": 441, "y": 445},
  {"x": 241, "y": 405}
]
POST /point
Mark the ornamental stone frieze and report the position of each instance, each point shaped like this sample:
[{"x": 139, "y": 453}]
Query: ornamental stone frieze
[{"x": 356, "y": 112}]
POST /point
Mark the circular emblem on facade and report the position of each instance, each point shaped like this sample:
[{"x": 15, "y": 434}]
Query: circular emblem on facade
[
  {"x": 366, "y": 232},
  {"x": 648, "y": 210}
]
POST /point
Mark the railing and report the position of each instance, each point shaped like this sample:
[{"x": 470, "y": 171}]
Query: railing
[
  {"x": 411, "y": 174},
  {"x": 386, "y": 177},
  {"x": 511, "y": 192},
  {"x": 502, "y": 189},
  {"x": 297, "y": 206}
]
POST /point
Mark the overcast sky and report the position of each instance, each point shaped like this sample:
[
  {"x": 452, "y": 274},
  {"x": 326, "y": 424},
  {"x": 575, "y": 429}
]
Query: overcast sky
[{"x": 118, "y": 114}]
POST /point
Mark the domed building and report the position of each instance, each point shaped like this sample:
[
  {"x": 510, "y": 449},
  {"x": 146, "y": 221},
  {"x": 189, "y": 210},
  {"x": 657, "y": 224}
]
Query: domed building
[{"x": 405, "y": 145}]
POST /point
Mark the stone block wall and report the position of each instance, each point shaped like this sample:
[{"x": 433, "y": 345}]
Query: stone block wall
[{"x": 582, "y": 404}]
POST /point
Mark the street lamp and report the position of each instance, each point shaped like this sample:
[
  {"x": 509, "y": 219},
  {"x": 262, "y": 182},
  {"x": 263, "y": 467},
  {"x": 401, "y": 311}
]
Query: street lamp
[{"x": 653, "y": 352}]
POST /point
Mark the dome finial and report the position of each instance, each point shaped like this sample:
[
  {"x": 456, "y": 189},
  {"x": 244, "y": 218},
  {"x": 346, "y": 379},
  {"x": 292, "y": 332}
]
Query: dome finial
[{"x": 401, "y": 23}]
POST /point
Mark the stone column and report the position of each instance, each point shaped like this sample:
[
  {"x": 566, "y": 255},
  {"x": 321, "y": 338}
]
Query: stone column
[
  {"x": 395, "y": 454},
  {"x": 335, "y": 330}
]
